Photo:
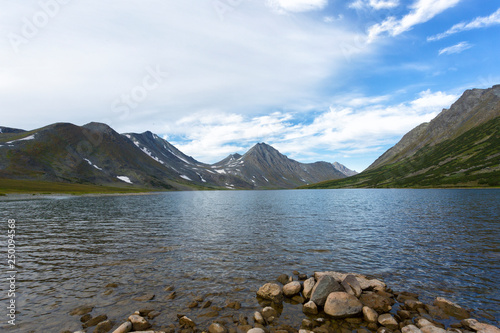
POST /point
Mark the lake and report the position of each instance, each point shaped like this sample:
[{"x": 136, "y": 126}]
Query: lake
[{"x": 225, "y": 244}]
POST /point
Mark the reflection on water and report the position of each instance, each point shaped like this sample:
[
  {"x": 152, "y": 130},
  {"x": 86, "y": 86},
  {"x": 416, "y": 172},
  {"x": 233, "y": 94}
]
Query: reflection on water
[{"x": 223, "y": 245}]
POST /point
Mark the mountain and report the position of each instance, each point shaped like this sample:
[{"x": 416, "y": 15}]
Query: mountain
[
  {"x": 95, "y": 154},
  {"x": 342, "y": 168},
  {"x": 458, "y": 148}
]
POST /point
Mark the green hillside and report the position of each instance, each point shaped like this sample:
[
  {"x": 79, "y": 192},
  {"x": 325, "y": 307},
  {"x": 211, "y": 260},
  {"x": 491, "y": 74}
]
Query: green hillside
[{"x": 469, "y": 160}]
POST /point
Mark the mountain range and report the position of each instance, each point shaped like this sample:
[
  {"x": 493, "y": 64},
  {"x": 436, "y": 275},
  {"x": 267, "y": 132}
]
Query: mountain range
[
  {"x": 95, "y": 154},
  {"x": 460, "y": 147}
]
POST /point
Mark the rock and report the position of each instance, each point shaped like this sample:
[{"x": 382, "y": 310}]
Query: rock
[
  {"x": 384, "y": 330},
  {"x": 234, "y": 305},
  {"x": 432, "y": 329},
  {"x": 112, "y": 285},
  {"x": 451, "y": 308},
  {"x": 299, "y": 299},
  {"x": 292, "y": 288},
  {"x": 388, "y": 321},
  {"x": 103, "y": 327},
  {"x": 271, "y": 291},
  {"x": 256, "y": 330},
  {"x": 268, "y": 312},
  {"x": 85, "y": 318},
  {"x": 404, "y": 314},
  {"x": 185, "y": 322},
  {"x": 422, "y": 322},
  {"x": 370, "y": 315},
  {"x": 143, "y": 298},
  {"x": 94, "y": 321},
  {"x": 192, "y": 304},
  {"x": 411, "y": 329},
  {"x": 324, "y": 287},
  {"x": 283, "y": 279},
  {"x": 302, "y": 277},
  {"x": 242, "y": 320},
  {"x": 169, "y": 288},
  {"x": 172, "y": 295},
  {"x": 308, "y": 287},
  {"x": 124, "y": 328},
  {"x": 258, "y": 318},
  {"x": 207, "y": 304},
  {"x": 139, "y": 323},
  {"x": 479, "y": 327},
  {"x": 413, "y": 305},
  {"x": 351, "y": 285},
  {"x": 199, "y": 299},
  {"x": 153, "y": 314},
  {"x": 341, "y": 305},
  {"x": 378, "y": 303},
  {"x": 81, "y": 310},
  {"x": 310, "y": 308},
  {"x": 364, "y": 282},
  {"x": 216, "y": 328},
  {"x": 144, "y": 312},
  {"x": 306, "y": 323}
]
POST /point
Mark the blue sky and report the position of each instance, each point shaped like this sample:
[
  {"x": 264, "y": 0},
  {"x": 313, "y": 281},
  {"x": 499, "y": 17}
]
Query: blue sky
[{"x": 318, "y": 79}]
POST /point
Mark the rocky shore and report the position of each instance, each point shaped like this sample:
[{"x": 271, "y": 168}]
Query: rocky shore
[{"x": 330, "y": 302}]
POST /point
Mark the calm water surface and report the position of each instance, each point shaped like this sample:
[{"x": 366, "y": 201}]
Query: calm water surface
[{"x": 224, "y": 245}]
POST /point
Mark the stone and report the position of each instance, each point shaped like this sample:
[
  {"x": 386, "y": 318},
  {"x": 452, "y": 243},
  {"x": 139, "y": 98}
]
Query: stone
[
  {"x": 342, "y": 305},
  {"x": 216, "y": 328},
  {"x": 388, "y": 321},
  {"x": 302, "y": 277},
  {"x": 169, "y": 288},
  {"x": 268, "y": 312},
  {"x": 351, "y": 285},
  {"x": 103, "y": 327},
  {"x": 256, "y": 330},
  {"x": 451, "y": 308},
  {"x": 308, "y": 287},
  {"x": 413, "y": 305},
  {"x": 422, "y": 322},
  {"x": 283, "y": 279},
  {"x": 258, "y": 318},
  {"x": 192, "y": 304},
  {"x": 479, "y": 327},
  {"x": 404, "y": 314},
  {"x": 81, "y": 310},
  {"x": 292, "y": 288},
  {"x": 298, "y": 299},
  {"x": 383, "y": 330},
  {"x": 271, "y": 291},
  {"x": 199, "y": 299},
  {"x": 324, "y": 287},
  {"x": 139, "y": 323},
  {"x": 172, "y": 295},
  {"x": 378, "y": 303},
  {"x": 94, "y": 321},
  {"x": 306, "y": 323},
  {"x": 153, "y": 314},
  {"x": 370, "y": 315},
  {"x": 124, "y": 328},
  {"x": 144, "y": 312},
  {"x": 305, "y": 331},
  {"x": 143, "y": 298},
  {"x": 432, "y": 329},
  {"x": 185, "y": 322},
  {"x": 310, "y": 308},
  {"x": 86, "y": 317},
  {"x": 364, "y": 282},
  {"x": 411, "y": 329},
  {"x": 207, "y": 304},
  {"x": 234, "y": 305}
]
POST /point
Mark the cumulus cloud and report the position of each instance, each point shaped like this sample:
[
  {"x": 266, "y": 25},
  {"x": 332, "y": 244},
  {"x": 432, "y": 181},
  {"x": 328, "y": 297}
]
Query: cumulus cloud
[
  {"x": 421, "y": 12},
  {"x": 477, "y": 23},
  {"x": 375, "y": 4},
  {"x": 355, "y": 125},
  {"x": 297, "y": 5},
  {"x": 458, "y": 48}
]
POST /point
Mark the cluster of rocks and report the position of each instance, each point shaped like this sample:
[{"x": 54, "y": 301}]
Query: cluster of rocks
[{"x": 331, "y": 302}]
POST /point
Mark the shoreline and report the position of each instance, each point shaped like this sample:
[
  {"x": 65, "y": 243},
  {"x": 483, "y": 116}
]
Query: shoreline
[{"x": 329, "y": 302}]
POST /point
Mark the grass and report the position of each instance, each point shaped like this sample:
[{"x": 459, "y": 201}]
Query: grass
[{"x": 16, "y": 186}]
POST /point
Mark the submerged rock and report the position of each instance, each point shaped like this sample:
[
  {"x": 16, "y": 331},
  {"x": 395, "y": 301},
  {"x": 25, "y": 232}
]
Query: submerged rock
[
  {"x": 139, "y": 323},
  {"x": 388, "y": 321},
  {"x": 378, "y": 303},
  {"x": 216, "y": 328},
  {"x": 310, "y": 308},
  {"x": 370, "y": 315},
  {"x": 451, "y": 308},
  {"x": 480, "y": 327},
  {"x": 271, "y": 291}
]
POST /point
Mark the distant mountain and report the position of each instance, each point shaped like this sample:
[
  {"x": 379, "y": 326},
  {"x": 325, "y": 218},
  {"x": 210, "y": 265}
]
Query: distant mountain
[
  {"x": 96, "y": 154},
  {"x": 342, "y": 168},
  {"x": 458, "y": 148}
]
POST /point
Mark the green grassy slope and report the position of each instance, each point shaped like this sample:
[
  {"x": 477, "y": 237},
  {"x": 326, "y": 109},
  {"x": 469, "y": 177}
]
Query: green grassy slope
[{"x": 469, "y": 160}]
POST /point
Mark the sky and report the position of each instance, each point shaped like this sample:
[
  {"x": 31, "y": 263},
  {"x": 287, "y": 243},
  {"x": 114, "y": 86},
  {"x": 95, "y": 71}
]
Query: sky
[{"x": 319, "y": 80}]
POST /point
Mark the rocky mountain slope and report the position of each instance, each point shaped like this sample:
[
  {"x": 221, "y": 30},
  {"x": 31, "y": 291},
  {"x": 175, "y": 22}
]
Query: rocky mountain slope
[
  {"x": 458, "y": 148},
  {"x": 96, "y": 154}
]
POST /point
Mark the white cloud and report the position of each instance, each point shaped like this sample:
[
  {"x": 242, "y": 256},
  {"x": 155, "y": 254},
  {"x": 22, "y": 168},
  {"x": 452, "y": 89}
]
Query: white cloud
[
  {"x": 477, "y": 23},
  {"x": 375, "y": 4},
  {"x": 421, "y": 12},
  {"x": 93, "y": 52},
  {"x": 297, "y": 5},
  {"x": 355, "y": 125},
  {"x": 458, "y": 48}
]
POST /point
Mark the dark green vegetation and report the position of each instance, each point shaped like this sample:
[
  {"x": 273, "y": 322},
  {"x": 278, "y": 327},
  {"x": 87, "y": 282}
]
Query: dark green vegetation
[
  {"x": 458, "y": 148},
  {"x": 470, "y": 160}
]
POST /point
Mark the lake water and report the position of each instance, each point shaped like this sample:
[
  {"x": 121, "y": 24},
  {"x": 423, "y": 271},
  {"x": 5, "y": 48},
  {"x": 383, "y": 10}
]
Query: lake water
[{"x": 225, "y": 244}]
